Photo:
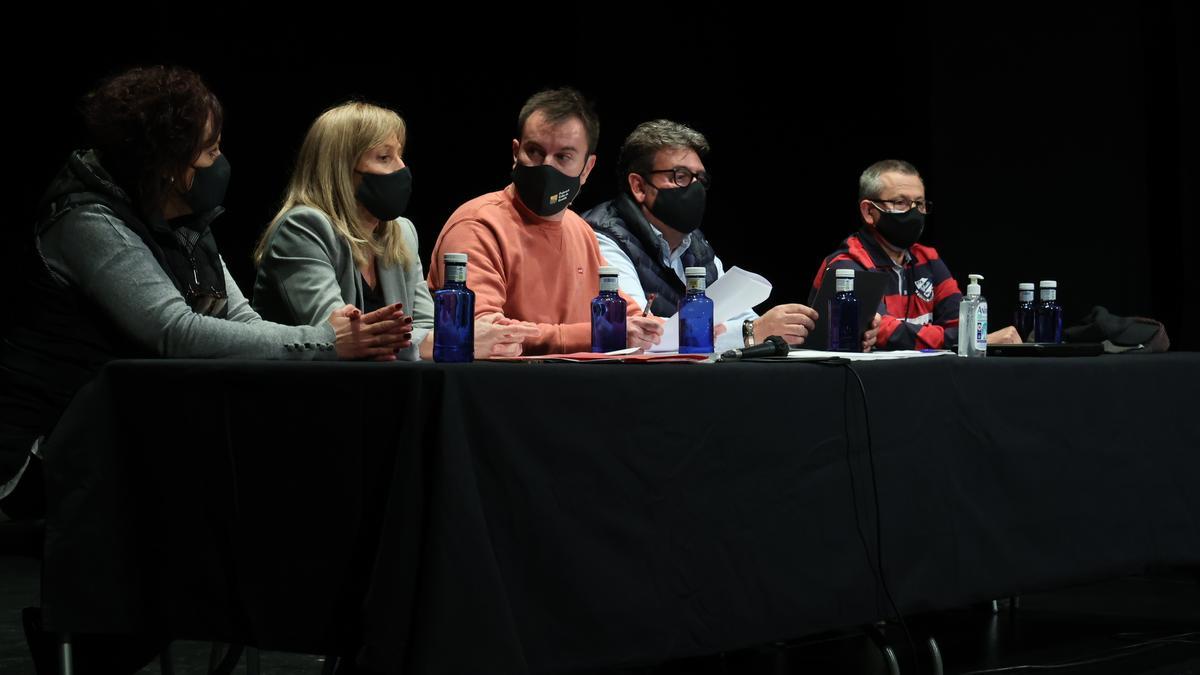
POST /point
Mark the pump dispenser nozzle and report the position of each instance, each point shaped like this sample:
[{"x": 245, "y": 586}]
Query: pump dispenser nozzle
[{"x": 973, "y": 288}]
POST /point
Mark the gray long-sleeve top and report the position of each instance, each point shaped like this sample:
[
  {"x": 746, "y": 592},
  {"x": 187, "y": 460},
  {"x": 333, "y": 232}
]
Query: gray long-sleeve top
[{"x": 95, "y": 252}]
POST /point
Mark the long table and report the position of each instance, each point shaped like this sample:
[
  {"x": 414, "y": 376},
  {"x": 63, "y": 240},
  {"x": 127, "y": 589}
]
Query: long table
[{"x": 538, "y": 518}]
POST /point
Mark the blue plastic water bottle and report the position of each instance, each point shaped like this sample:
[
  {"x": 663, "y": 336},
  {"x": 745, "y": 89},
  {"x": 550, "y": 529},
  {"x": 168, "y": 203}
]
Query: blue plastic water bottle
[
  {"x": 1023, "y": 317},
  {"x": 695, "y": 315},
  {"x": 844, "y": 335},
  {"x": 608, "y": 314},
  {"x": 1048, "y": 322},
  {"x": 454, "y": 314}
]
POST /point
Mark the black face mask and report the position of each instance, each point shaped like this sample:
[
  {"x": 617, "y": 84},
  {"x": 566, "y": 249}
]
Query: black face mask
[
  {"x": 901, "y": 229},
  {"x": 385, "y": 195},
  {"x": 681, "y": 209},
  {"x": 208, "y": 186},
  {"x": 545, "y": 189}
]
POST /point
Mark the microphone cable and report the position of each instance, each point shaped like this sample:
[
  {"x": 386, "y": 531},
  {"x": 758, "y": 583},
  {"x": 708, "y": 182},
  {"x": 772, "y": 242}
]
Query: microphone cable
[{"x": 876, "y": 566}]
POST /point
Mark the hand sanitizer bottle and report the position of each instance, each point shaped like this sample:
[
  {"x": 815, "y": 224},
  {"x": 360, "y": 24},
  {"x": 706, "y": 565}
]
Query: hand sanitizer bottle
[{"x": 972, "y": 320}]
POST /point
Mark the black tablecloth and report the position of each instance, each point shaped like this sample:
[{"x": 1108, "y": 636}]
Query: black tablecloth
[{"x": 509, "y": 518}]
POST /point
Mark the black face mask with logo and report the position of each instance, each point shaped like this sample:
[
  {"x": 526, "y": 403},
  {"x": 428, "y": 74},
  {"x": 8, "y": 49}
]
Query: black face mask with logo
[
  {"x": 208, "y": 186},
  {"x": 901, "y": 229},
  {"x": 544, "y": 189},
  {"x": 385, "y": 195},
  {"x": 681, "y": 209}
]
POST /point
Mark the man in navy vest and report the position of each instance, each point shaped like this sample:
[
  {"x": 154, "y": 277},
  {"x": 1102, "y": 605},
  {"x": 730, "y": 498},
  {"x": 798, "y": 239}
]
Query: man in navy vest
[
  {"x": 920, "y": 303},
  {"x": 650, "y": 233}
]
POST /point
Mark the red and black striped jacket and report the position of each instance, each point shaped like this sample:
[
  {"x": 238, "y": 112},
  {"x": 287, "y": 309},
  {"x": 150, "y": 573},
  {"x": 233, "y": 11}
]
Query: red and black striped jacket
[{"x": 920, "y": 304}]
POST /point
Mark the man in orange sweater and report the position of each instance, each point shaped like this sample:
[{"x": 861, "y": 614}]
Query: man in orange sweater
[{"x": 530, "y": 257}]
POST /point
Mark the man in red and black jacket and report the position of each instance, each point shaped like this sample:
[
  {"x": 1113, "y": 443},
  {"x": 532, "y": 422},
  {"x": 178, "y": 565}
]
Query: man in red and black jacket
[{"x": 920, "y": 305}]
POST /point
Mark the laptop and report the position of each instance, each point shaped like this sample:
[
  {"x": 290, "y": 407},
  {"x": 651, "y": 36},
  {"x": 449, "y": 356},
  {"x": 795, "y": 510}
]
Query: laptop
[{"x": 868, "y": 287}]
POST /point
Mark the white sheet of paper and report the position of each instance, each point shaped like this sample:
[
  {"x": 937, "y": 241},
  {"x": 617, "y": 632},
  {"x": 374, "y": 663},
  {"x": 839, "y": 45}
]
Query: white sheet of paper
[
  {"x": 732, "y": 294},
  {"x": 736, "y": 291},
  {"x": 622, "y": 352},
  {"x": 670, "y": 338},
  {"x": 864, "y": 356}
]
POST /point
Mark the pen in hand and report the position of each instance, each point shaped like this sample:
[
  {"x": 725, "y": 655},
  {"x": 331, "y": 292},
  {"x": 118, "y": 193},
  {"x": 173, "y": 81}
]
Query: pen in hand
[{"x": 649, "y": 301}]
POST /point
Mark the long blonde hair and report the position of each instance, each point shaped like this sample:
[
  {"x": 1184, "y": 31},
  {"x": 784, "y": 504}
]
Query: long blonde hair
[{"x": 324, "y": 179}]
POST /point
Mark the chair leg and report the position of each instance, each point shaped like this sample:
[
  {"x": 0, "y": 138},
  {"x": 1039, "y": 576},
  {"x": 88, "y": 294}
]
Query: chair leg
[
  {"x": 935, "y": 656},
  {"x": 66, "y": 660},
  {"x": 891, "y": 662}
]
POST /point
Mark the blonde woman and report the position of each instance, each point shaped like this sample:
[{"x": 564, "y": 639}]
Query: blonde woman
[{"x": 339, "y": 237}]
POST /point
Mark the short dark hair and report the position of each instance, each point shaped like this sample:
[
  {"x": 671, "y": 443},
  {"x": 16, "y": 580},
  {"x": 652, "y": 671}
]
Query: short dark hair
[
  {"x": 869, "y": 184},
  {"x": 640, "y": 146},
  {"x": 148, "y": 127},
  {"x": 559, "y": 105}
]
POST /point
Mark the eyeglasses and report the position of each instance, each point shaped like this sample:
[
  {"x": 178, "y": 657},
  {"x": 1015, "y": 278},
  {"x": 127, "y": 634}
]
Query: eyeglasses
[
  {"x": 683, "y": 176},
  {"x": 207, "y": 302},
  {"x": 902, "y": 205}
]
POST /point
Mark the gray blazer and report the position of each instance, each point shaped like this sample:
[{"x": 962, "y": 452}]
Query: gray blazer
[{"x": 308, "y": 271}]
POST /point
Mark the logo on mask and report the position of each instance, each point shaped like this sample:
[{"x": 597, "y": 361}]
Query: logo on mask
[
  {"x": 925, "y": 288},
  {"x": 560, "y": 197}
]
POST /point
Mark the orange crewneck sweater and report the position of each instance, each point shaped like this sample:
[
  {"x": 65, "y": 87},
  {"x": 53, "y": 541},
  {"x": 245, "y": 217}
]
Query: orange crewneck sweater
[{"x": 527, "y": 268}]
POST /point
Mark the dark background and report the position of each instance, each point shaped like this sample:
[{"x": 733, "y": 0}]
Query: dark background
[{"x": 1056, "y": 141}]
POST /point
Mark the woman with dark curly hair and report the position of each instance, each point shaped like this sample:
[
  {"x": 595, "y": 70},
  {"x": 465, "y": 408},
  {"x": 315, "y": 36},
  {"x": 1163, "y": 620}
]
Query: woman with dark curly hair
[{"x": 126, "y": 266}]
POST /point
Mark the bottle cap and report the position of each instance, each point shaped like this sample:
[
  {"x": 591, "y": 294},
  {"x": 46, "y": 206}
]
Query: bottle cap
[
  {"x": 456, "y": 258},
  {"x": 695, "y": 272}
]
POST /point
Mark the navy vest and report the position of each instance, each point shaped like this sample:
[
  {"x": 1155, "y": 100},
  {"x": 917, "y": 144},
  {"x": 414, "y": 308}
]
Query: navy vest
[{"x": 622, "y": 221}]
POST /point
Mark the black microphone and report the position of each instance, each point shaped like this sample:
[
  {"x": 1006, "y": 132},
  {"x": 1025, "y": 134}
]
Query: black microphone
[{"x": 772, "y": 346}]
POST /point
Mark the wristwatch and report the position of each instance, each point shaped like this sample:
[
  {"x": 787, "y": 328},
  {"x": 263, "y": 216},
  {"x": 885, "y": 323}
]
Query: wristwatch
[{"x": 748, "y": 332}]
